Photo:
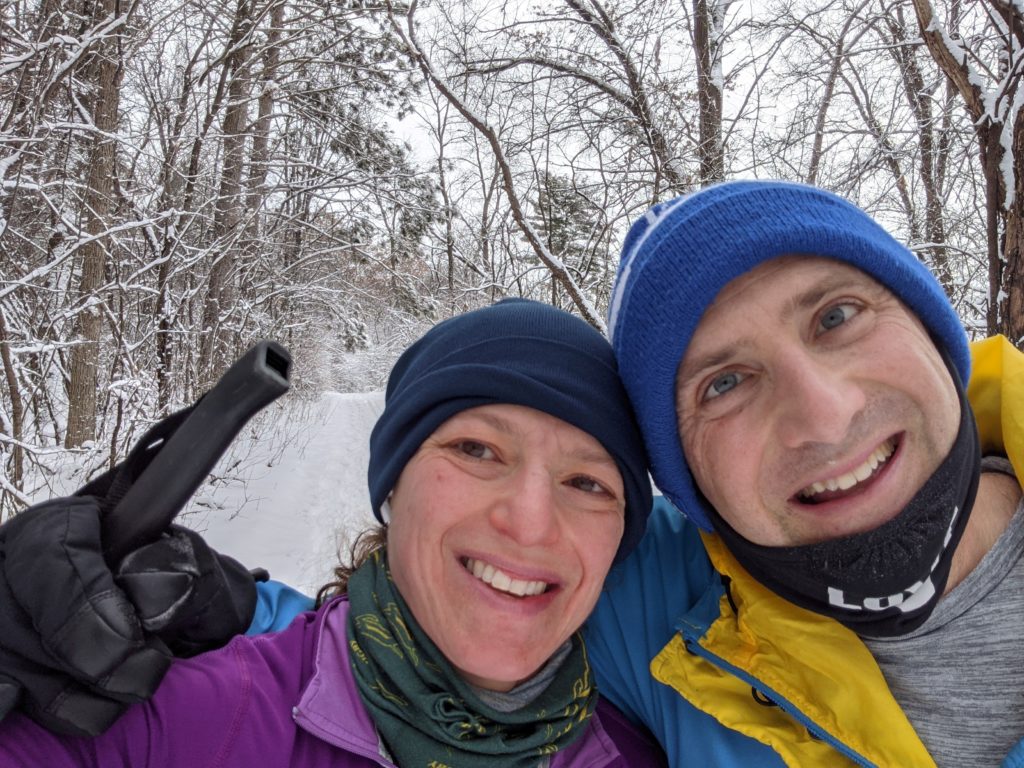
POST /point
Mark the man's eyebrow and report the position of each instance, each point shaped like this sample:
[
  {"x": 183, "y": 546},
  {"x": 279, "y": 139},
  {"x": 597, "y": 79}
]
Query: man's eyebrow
[{"x": 813, "y": 295}]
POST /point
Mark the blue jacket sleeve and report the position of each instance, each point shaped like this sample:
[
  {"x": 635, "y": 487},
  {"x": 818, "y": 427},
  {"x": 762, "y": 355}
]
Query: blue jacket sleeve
[
  {"x": 1016, "y": 757},
  {"x": 276, "y": 605},
  {"x": 637, "y": 615}
]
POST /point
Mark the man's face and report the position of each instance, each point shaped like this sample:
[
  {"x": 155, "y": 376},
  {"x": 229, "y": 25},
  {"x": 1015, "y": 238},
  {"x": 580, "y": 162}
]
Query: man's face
[{"x": 812, "y": 404}]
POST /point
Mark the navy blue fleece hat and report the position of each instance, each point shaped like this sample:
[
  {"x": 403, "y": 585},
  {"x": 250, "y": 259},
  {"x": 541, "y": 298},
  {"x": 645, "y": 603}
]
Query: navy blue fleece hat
[
  {"x": 517, "y": 352},
  {"x": 678, "y": 257}
]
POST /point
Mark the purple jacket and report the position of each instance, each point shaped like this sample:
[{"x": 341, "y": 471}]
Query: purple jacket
[{"x": 281, "y": 700}]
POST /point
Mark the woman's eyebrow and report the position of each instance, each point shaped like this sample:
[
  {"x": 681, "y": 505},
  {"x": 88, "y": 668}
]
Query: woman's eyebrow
[
  {"x": 495, "y": 422},
  {"x": 592, "y": 455},
  {"x": 584, "y": 453}
]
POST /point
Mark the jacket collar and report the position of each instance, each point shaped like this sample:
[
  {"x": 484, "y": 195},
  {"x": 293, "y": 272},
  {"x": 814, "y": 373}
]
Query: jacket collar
[
  {"x": 997, "y": 398},
  {"x": 330, "y": 707}
]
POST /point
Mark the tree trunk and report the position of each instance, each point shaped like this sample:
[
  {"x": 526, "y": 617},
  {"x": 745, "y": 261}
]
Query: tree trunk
[
  {"x": 103, "y": 71},
  {"x": 932, "y": 149},
  {"x": 1003, "y": 225},
  {"x": 171, "y": 197},
  {"x": 216, "y": 347},
  {"x": 707, "y": 28},
  {"x": 1010, "y": 293},
  {"x": 17, "y": 408}
]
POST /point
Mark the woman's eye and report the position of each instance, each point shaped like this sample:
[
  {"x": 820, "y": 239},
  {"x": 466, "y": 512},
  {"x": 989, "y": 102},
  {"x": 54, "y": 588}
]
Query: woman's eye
[
  {"x": 588, "y": 484},
  {"x": 837, "y": 315},
  {"x": 474, "y": 449},
  {"x": 722, "y": 384}
]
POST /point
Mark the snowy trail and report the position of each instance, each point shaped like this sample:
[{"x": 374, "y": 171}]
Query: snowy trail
[{"x": 289, "y": 517}]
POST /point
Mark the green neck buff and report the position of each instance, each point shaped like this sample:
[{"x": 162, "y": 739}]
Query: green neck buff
[{"x": 426, "y": 714}]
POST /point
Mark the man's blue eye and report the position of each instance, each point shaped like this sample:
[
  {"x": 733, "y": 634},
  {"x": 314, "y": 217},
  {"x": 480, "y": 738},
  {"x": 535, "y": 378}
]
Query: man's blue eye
[
  {"x": 837, "y": 315},
  {"x": 722, "y": 384}
]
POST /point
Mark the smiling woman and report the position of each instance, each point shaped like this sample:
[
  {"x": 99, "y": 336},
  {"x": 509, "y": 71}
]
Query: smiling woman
[
  {"x": 502, "y": 501},
  {"x": 509, "y": 474}
]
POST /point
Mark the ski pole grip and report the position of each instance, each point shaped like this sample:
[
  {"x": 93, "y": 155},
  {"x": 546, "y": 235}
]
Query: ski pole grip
[{"x": 153, "y": 501}]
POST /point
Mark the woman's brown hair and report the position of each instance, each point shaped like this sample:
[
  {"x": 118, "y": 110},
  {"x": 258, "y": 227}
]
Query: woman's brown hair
[{"x": 364, "y": 545}]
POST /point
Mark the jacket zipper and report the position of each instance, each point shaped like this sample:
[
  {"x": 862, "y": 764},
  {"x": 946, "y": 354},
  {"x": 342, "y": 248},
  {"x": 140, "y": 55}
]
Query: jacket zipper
[{"x": 694, "y": 647}]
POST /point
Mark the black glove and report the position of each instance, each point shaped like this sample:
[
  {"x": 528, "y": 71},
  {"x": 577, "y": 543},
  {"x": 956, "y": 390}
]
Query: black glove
[
  {"x": 79, "y": 644},
  {"x": 189, "y": 596},
  {"x": 79, "y": 641}
]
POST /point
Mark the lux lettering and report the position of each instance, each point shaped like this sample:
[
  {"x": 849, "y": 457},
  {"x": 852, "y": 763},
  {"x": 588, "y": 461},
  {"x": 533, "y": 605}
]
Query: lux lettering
[{"x": 906, "y": 600}]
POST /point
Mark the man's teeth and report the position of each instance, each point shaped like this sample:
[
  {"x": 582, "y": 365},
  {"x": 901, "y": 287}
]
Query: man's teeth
[
  {"x": 846, "y": 481},
  {"x": 502, "y": 581}
]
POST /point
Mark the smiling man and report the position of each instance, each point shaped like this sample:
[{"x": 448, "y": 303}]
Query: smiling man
[{"x": 845, "y": 582}]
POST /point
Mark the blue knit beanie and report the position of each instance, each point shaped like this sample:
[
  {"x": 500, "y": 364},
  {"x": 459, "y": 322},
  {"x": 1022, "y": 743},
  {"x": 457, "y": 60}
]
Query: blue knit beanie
[
  {"x": 678, "y": 257},
  {"x": 517, "y": 352}
]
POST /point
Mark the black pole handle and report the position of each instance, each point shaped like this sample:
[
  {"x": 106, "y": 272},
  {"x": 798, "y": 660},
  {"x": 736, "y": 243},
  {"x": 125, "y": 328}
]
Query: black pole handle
[{"x": 152, "y": 502}]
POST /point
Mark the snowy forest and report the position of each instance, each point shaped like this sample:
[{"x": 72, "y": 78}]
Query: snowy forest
[{"x": 180, "y": 178}]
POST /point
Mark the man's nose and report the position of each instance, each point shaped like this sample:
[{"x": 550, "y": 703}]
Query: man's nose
[
  {"x": 816, "y": 399},
  {"x": 525, "y": 509}
]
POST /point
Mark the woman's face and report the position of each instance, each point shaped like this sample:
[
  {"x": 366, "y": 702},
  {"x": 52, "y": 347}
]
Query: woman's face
[{"x": 503, "y": 527}]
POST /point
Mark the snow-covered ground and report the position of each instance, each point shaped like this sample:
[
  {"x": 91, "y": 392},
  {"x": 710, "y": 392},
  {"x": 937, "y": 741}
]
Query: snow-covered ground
[{"x": 292, "y": 487}]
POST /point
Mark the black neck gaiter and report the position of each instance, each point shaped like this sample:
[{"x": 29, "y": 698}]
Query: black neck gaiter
[{"x": 884, "y": 582}]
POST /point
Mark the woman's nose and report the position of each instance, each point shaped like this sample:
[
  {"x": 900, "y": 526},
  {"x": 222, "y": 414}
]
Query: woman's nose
[{"x": 525, "y": 508}]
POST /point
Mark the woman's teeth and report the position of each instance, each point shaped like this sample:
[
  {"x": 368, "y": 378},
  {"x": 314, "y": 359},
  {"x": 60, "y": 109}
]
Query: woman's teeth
[
  {"x": 502, "y": 582},
  {"x": 848, "y": 480}
]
